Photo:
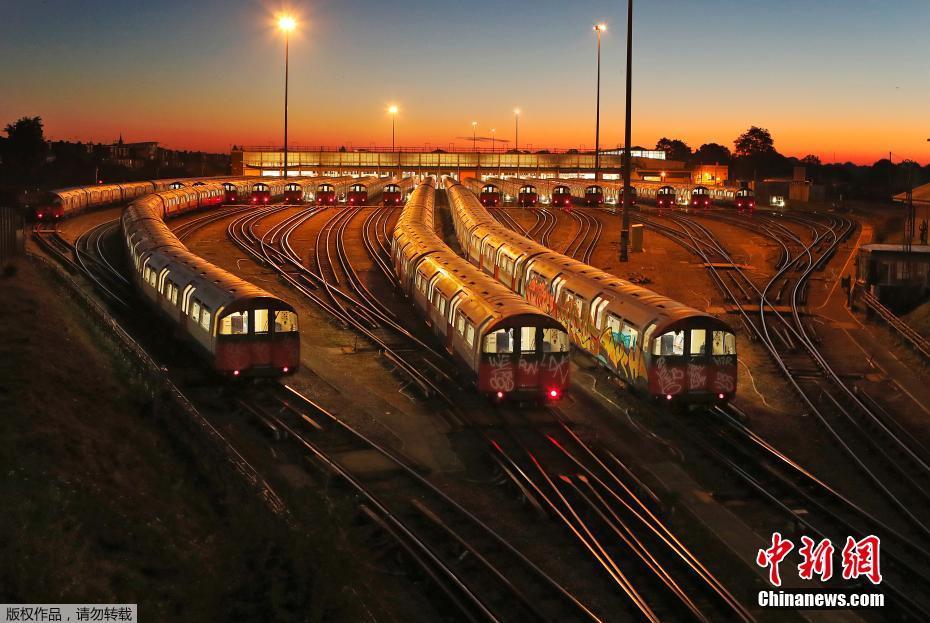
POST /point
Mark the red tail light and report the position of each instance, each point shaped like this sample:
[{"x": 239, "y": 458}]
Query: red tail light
[
  {"x": 285, "y": 369},
  {"x": 553, "y": 393},
  {"x": 235, "y": 373},
  {"x": 720, "y": 396},
  {"x": 500, "y": 395}
]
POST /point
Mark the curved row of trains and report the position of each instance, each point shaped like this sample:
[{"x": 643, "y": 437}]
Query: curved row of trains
[
  {"x": 564, "y": 192},
  {"x": 508, "y": 311},
  {"x": 51, "y": 206},
  {"x": 660, "y": 347}
]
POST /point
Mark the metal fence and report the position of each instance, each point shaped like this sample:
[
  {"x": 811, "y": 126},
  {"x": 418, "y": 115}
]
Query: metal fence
[{"x": 12, "y": 233}]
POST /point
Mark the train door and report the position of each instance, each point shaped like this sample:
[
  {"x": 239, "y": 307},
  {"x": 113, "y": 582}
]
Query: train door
[
  {"x": 450, "y": 329},
  {"x": 260, "y": 351}
]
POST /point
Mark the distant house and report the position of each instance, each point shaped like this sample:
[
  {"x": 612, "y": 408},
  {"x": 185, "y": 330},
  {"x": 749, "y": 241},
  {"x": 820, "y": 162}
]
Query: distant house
[{"x": 920, "y": 196}]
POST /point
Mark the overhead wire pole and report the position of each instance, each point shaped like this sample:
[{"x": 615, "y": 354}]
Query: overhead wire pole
[
  {"x": 625, "y": 231},
  {"x": 516, "y": 136}
]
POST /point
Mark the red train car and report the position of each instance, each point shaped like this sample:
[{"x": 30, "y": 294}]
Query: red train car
[
  {"x": 700, "y": 197},
  {"x": 357, "y": 195},
  {"x": 490, "y": 195},
  {"x": 325, "y": 194},
  {"x": 293, "y": 193},
  {"x": 562, "y": 196},
  {"x": 527, "y": 197},
  {"x": 633, "y": 194},
  {"x": 392, "y": 195},
  {"x": 745, "y": 200},
  {"x": 231, "y": 193},
  {"x": 666, "y": 197},
  {"x": 261, "y": 193},
  {"x": 593, "y": 196}
]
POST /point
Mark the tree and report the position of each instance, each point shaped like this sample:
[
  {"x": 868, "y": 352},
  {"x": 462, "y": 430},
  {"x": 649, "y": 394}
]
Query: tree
[
  {"x": 754, "y": 142},
  {"x": 24, "y": 151},
  {"x": 712, "y": 153},
  {"x": 674, "y": 148},
  {"x": 810, "y": 160}
]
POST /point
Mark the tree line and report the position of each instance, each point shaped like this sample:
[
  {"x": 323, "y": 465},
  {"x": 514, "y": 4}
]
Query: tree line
[{"x": 754, "y": 157}]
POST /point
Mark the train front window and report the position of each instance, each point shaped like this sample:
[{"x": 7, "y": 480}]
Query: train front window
[
  {"x": 261, "y": 321},
  {"x": 285, "y": 322},
  {"x": 235, "y": 324},
  {"x": 629, "y": 335},
  {"x": 724, "y": 343},
  {"x": 554, "y": 341},
  {"x": 671, "y": 343},
  {"x": 501, "y": 341},
  {"x": 698, "y": 342},
  {"x": 528, "y": 339}
]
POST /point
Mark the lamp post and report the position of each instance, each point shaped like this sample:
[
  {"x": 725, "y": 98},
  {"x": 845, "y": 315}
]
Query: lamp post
[
  {"x": 625, "y": 232},
  {"x": 286, "y": 24},
  {"x": 474, "y": 136},
  {"x": 516, "y": 136},
  {"x": 599, "y": 28},
  {"x": 393, "y": 111}
]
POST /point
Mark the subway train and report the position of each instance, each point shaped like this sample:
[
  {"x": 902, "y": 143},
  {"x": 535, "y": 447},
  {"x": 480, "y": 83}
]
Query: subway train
[
  {"x": 660, "y": 347},
  {"x": 511, "y": 350},
  {"x": 395, "y": 193},
  {"x": 236, "y": 327},
  {"x": 51, "y": 206}
]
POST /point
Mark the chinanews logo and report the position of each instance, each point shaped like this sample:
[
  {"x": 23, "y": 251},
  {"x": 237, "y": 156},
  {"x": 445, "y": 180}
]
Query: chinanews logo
[{"x": 859, "y": 560}]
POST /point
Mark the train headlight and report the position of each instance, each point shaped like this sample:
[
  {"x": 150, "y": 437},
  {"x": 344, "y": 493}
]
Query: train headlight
[
  {"x": 285, "y": 369},
  {"x": 553, "y": 393},
  {"x": 668, "y": 396},
  {"x": 235, "y": 373},
  {"x": 500, "y": 395},
  {"x": 720, "y": 396}
]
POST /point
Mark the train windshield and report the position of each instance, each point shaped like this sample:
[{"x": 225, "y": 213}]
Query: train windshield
[
  {"x": 554, "y": 341},
  {"x": 392, "y": 188},
  {"x": 699, "y": 342},
  {"x": 489, "y": 189},
  {"x": 528, "y": 189},
  {"x": 357, "y": 188},
  {"x": 292, "y": 187},
  {"x": 285, "y": 321},
  {"x": 260, "y": 187},
  {"x": 324, "y": 188},
  {"x": 228, "y": 186},
  {"x": 501, "y": 341},
  {"x": 591, "y": 190},
  {"x": 700, "y": 190},
  {"x": 560, "y": 190}
]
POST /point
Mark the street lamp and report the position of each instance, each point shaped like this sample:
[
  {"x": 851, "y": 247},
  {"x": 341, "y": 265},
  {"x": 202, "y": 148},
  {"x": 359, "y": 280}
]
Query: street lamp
[
  {"x": 474, "y": 136},
  {"x": 393, "y": 111},
  {"x": 599, "y": 28},
  {"x": 625, "y": 231},
  {"x": 286, "y": 24},
  {"x": 493, "y": 148}
]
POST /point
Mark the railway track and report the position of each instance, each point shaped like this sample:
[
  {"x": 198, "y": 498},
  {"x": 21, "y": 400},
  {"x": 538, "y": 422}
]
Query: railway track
[{"x": 354, "y": 306}]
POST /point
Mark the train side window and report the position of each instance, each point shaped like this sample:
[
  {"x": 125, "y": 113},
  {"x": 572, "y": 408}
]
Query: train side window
[
  {"x": 724, "y": 343},
  {"x": 205, "y": 319},
  {"x": 186, "y": 298},
  {"x": 442, "y": 305},
  {"x": 501, "y": 341},
  {"x": 554, "y": 341},
  {"x": 698, "y": 342},
  {"x": 261, "y": 320},
  {"x": 469, "y": 334},
  {"x": 647, "y": 336},
  {"x": 613, "y": 324},
  {"x": 671, "y": 343},
  {"x": 630, "y": 335},
  {"x": 235, "y": 324},
  {"x": 460, "y": 323},
  {"x": 527, "y": 339},
  {"x": 195, "y": 310},
  {"x": 285, "y": 321}
]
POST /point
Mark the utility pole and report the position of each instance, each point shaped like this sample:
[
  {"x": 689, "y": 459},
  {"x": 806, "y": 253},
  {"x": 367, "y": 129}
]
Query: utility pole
[
  {"x": 625, "y": 231},
  {"x": 599, "y": 28}
]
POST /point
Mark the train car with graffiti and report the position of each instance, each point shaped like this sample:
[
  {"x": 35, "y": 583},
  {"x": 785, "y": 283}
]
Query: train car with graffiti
[
  {"x": 510, "y": 349},
  {"x": 660, "y": 347}
]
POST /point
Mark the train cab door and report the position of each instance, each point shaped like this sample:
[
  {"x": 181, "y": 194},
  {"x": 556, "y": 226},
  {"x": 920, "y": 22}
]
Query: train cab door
[{"x": 450, "y": 328}]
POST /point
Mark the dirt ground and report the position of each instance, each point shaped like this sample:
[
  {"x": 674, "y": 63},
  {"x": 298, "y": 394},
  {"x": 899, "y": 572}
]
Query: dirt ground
[{"x": 107, "y": 500}]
